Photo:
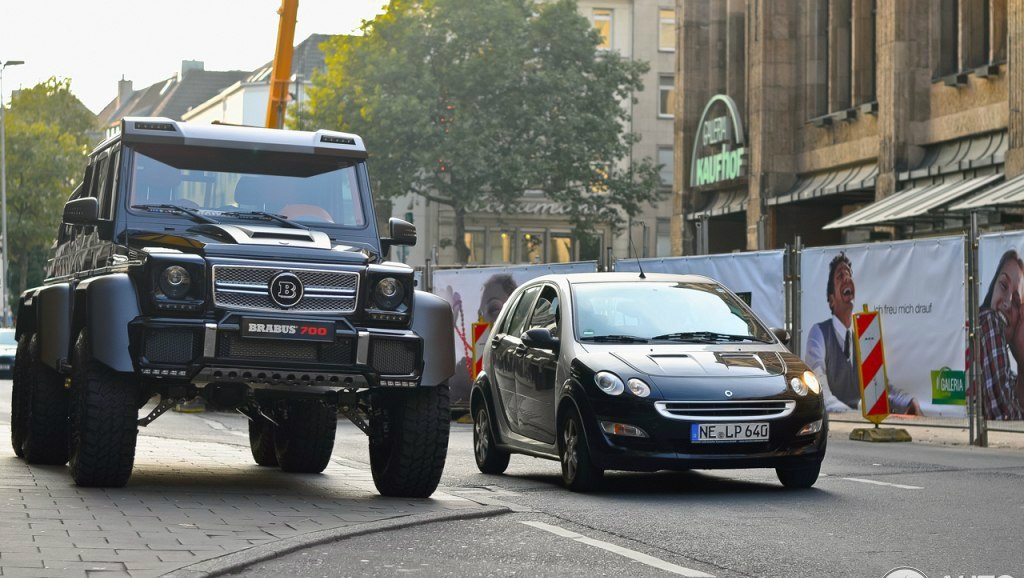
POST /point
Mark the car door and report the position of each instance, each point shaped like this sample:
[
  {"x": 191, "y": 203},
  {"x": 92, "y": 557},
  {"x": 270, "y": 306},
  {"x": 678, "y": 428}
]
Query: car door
[
  {"x": 535, "y": 375},
  {"x": 505, "y": 342}
]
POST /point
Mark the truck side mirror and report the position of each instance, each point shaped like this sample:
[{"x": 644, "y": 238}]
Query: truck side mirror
[
  {"x": 400, "y": 233},
  {"x": 85, "y": 211}
]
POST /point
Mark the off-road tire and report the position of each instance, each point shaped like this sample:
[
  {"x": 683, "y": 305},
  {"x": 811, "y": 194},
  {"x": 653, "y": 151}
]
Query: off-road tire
[
  {"x": 261, "y": 441},
  {"x": 44, "y": 437},
  {"x": 104, "y": 421},
  {"x": 19, "y": 398},
  {"x": 409, "y": 442},
  {"x": 490, "y": 459},
  {"x": 304, "y": 438},
  {"x": 799, "y": 478},
  {"x": 579, "y": 473}
]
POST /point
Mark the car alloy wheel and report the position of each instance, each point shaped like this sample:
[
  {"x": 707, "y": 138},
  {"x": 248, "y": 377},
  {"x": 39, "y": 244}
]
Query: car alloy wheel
[
  {"x": 578, "y": 471},
  {"x": 481, "y": 429},
  {"x": 490, "y": 459}
]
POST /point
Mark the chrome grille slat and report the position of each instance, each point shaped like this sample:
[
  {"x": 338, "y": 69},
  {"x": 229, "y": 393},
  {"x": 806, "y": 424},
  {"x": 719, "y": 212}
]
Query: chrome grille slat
[
  {"x": 245, "y": 287},
  {"x": 708, "y": 411}
]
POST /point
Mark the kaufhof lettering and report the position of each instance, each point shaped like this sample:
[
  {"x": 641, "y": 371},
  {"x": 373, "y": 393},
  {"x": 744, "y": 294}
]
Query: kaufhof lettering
[{"x": 273, "y": 328}]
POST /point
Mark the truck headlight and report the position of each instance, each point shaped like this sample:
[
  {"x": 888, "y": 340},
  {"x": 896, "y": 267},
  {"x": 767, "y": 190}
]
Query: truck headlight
[
  {"x": 175, "y": 282},
  {"x": 389, "y": 293}
]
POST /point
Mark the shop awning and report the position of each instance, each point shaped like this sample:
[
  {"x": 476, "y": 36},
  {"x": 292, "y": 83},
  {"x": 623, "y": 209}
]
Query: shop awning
[
  {"x": 722, "y": 203},
  {"x": 1009, "y": 193},
  {"x": 860, "y": 178},
  {"x": 914, "y": 204}
]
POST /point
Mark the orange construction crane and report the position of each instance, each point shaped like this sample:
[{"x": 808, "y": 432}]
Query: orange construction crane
[{"x": 282, "y": 68}]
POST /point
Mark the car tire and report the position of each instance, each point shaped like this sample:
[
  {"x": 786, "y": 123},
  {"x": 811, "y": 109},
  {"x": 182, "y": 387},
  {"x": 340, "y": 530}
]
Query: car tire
[
  {"x": 261, "y": 441},
  {"x": 578, "y": 470},
  {"x": 409, "y": 440},
  {"x": 43, "y": 411},
  {"x": 797, "y": 478},
  {"x": 490, "y": 459},
  {"x": 304, "y": 436},
  {"x": 104, "y": 420},
  {"x": 19, "y": 398}
]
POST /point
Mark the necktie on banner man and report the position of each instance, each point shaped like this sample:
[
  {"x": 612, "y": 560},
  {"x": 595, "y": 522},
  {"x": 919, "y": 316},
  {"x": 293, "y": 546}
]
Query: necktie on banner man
[{"x": 870, "y": 361}]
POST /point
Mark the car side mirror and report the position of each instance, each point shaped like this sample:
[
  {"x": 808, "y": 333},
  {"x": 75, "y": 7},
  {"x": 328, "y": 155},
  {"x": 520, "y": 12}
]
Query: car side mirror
[
  {"x": 780, "y": 334},
  {"x": 540, "y": 338},
  {"x": 85, "y": 211}
]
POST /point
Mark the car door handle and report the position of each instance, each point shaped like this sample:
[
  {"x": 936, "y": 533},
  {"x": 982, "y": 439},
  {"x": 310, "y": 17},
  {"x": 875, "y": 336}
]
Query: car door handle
[{"x": 520, "y": 350}]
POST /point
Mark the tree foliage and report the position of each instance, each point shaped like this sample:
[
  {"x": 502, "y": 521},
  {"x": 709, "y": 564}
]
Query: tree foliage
[
  {"x": 48, "y": 132},
  {"x": 471, "y": 103}
]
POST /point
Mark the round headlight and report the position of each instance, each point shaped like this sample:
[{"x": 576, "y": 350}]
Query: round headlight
[
  {"x": 609, "y": 383},
  {"x": 175, "y": 281},
  {"x": 798, "y": 386},
  {"x": 812, "y": 382},
  {"x": 638, "y": 387},
  {"x": 389, "y": 293}
]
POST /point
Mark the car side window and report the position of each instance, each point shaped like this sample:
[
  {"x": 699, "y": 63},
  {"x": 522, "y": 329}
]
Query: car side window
[
  {"x": 522, "y": 310},
  {"x": 545, "y": 311}
]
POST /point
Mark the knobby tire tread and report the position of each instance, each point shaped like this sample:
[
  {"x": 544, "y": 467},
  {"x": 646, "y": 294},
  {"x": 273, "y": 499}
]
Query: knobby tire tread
[
  {"x": 409, "y": 462},
  {"x": 261, "y": 441},
  {"x": 45, "y": 438},
  {"x": 303, "y": 442}
]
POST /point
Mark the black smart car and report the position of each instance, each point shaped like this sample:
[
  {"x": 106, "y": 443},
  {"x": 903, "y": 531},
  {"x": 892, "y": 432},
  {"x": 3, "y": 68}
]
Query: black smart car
[{"x": 619, "y": 371}]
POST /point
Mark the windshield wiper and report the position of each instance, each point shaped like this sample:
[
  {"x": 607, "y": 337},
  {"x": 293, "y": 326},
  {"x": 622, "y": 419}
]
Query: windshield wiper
[
  {"x": 707, "y": 337},
  {"x": 616, "y": 338},
  {"x": 263, "y": 215},
  {"x": 196, "y": 215}
]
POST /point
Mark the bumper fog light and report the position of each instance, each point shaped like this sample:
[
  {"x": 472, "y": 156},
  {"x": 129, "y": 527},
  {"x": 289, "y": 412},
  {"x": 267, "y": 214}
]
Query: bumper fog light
[
  {"x": 622, "y": 429},
  {"x": 811, "y": 428}
]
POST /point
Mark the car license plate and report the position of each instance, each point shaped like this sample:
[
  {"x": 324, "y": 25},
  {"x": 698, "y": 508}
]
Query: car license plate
[
  {"x": 284, "y": 329},
  {"x": 728, "y": 432}
]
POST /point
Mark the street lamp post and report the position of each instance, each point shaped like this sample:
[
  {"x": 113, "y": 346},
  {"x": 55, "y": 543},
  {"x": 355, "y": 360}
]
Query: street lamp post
[{"x": 3, "y": 189}]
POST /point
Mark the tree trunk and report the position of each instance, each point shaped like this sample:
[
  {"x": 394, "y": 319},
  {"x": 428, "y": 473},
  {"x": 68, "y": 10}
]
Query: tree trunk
[{"x": 461, "y": 249}]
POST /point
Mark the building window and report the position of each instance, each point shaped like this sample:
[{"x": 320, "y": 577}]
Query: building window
[
  {"x": 560, "y": 248},
  {"x": 531, "y": 247},
  {"x": 666, "y": 95},
  {"x": 949, "y": 38},
  {"x": 602, "y": 18},
  {"x": 666, "y": 160},
  {"x": 840, "y": 54},
  {"x": 864, "y": 54},
  {"x": 998, "y": 27},
  {"x": 499, "y": 247},
  {"x": 816, "y": 61},
  {"x": 663, "y": 238},
  {"x": 667, "y": 30},
  {"x": 475, "y": 242}
]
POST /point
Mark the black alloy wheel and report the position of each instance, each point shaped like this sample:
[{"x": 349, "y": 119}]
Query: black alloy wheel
[
  {"x": 489, "y": 458},
  {"x": 578, "y": 470}
]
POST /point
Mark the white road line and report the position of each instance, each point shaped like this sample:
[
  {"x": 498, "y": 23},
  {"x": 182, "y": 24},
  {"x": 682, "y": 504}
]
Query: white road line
[
  {"x": 877, "y": 483},
  {"x": 631, "y": 554}
]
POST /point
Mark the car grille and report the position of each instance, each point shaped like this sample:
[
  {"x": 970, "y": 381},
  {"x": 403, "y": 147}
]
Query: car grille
[
  {"x": 170, "y": 346},
  {"x": 246, "y": 288},
  {"x": 394, "y": 356},
  {"x": 708, "y": 411},
  {"x": 232, "y": 346}
]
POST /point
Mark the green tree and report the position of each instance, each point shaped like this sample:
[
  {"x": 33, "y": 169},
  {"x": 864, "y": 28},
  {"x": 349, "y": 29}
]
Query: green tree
[
  {"x": 470, "y": 103},
  {"x": 48, "y": 132}
]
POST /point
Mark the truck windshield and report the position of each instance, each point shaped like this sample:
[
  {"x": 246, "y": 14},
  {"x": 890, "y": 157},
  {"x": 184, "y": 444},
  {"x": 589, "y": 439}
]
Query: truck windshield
[{"x": 223, "y": 184}]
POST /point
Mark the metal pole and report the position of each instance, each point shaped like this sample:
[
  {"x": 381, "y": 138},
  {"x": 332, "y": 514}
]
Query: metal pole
[
  {"x": 797, "y": 289},
  {"x": 975, "y": 411},
  {"x": 3, "y": 197}
]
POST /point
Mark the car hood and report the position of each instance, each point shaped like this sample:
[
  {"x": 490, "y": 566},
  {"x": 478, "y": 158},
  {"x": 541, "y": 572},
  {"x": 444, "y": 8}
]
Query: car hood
[
  {"x": 259, "y": 241},
  {"x": 682, "y": 361}
]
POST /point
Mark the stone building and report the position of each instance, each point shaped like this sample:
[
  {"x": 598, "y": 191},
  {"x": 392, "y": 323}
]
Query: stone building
[{"x": 844, "y": 120}]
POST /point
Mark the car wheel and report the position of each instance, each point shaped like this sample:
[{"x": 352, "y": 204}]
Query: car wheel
[
  {"x": 261, "y": 441},
  {"x": 578, "y": 470},
  {"x": 19, "y": 398},
  {"x": 304, "y": 438},
  {"x": 104, "y": 420},
  {"x": 409, "y": 440},
  {"x": 44, "y": 409},
  {"x": 799, "y": 477},
  {"x": 489, "y": 458}
]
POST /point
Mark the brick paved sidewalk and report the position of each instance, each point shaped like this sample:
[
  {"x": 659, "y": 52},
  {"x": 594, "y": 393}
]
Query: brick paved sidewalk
[{"x": 186, "y": 502}]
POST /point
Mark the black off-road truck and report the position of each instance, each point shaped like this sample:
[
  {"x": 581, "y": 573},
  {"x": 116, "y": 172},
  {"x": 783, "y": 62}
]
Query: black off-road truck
[{"x": 242, "y": 265}]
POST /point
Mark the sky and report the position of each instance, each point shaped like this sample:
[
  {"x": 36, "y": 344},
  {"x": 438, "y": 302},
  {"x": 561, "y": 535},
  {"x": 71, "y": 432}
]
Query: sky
[{"x": 97, "y": 42}]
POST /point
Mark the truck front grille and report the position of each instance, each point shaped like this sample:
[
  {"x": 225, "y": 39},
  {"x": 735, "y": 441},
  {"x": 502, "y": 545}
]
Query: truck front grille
[
  {"x": 178, "y": 346},
  {"x": 394, "y": 356},
  {"x": 232, "y": 346},
  {"x": 247, "y": 288}
]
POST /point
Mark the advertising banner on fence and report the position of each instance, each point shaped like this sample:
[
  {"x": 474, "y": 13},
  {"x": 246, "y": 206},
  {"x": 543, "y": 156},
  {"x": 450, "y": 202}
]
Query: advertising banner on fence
[
  {"x": 757, "y": 277},
  {"x": 476, "y": 296},
  {"x": 1001, "y": 324},
  {"x": 918, "y": 289}
]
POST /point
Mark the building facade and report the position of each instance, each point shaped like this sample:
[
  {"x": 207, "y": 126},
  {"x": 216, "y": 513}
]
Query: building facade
[{"x": 844, "y": 121}]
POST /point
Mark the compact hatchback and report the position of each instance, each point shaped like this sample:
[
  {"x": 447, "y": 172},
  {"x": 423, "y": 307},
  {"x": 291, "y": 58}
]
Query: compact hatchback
[{"x": 620, "y": 371}]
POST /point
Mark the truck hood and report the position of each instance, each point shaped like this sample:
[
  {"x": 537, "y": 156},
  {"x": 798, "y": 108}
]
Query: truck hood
[{"x": 249, "y": 241}]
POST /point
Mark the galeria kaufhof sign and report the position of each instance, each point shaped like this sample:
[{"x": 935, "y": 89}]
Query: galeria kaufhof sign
[{"x": 719, "y": 151}]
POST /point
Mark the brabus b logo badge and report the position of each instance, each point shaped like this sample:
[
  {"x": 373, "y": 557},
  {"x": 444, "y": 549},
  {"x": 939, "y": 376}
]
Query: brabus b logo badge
[{"x": 285, "y": 290}]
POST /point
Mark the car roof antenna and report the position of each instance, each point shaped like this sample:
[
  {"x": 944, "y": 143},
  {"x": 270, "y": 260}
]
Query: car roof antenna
[{"x": 635, "y": 256}]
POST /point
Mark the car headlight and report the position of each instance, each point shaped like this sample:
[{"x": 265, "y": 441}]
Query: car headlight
[
  {"x": 638, "y": 387},
  {"x": 389, "y": 293},
  {"x": 609, "y": 383},
  {"x": 175, "y": 282},
  {"x": 806, "y": 382},
  {"x": 798, "y": 386},
  {"x": 812, "y": 382}
]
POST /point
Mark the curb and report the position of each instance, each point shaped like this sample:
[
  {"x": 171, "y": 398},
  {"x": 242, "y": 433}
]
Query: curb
[{"x": 242, "y": 559}]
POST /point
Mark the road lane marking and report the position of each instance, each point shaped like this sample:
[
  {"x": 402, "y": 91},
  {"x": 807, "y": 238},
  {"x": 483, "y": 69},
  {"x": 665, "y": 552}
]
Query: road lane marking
[
  {"x": 877, "y": 483},
  {"x": 631, "y": 554}
]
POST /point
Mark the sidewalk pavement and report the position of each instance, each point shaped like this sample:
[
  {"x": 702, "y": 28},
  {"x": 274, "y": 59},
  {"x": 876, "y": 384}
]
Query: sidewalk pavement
[
  {"x": 191, "y": 509},
  {"x": 933, "y": 431}
]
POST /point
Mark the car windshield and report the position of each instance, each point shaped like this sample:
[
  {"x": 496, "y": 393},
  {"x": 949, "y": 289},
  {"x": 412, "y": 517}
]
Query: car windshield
[
  {"x": 698, "y": 312},
  {"x": 225, "y": 184},
  {"x": 7, "y": 337}
]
